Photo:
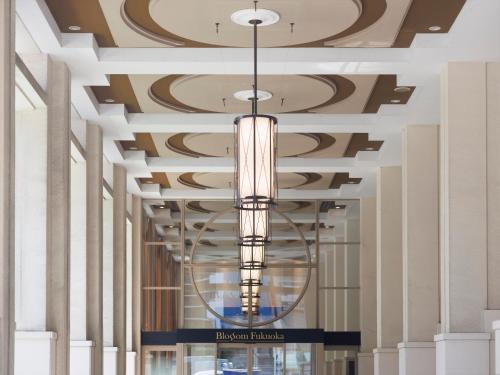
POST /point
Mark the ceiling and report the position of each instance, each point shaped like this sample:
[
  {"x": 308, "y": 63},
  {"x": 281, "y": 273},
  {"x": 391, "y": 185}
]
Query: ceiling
[{"x": 344, "y": 76}]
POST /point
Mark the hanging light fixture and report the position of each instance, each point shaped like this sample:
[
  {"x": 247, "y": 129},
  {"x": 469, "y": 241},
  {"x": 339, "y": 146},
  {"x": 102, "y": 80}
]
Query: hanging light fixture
[{"x": 255, "y": 176}]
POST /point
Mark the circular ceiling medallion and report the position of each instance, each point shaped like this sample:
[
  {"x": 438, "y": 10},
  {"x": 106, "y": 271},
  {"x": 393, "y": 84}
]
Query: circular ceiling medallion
[
  {"x": 244, "y": 16},
  {"x": 246, "y": 95}
]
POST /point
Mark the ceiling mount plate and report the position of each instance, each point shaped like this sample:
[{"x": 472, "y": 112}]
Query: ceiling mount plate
[
  {"x": 244, "y": 16},
  {"x": 246, "y": 95}
]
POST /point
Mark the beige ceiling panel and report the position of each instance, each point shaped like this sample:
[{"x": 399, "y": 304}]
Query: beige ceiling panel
[{"x": 383, "y": 32}]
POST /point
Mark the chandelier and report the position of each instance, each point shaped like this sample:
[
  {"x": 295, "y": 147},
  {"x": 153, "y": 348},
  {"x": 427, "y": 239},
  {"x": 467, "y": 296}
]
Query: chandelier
[{"x": 255, "y": 186}]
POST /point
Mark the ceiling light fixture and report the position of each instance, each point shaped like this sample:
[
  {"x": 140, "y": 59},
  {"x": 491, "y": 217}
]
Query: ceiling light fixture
[
  {"x": 434, "y": 28},
  {"x": 74, "y": 28},
  {"x": 255, "y": 173},
  {"x": 402, "y": 89},
  {"x": 395, "y": 101},
  {"x": 109, "y": 100}
]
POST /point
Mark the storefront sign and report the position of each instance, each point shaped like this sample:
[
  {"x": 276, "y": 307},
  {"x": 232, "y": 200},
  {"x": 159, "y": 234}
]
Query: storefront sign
[{"x": 249, "y": 336}]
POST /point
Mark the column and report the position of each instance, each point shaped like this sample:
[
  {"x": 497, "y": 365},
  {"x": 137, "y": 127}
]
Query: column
[
  {"x": 469, "y": 216},
  {"x": 7, "y": 252},
  {"x": 110, "y": 351},
  {"x": 351, "y": 281},
  {"x": 339, "y": 300},
  {"x": 137, "y": 247},
  {"x": 368, "y": 284},
  {"x": 81, "y": 348},
  {"x": 94, "y": 244},
  {"x": 420, "y": 250},
  {"x": 120, "y": 265},
  {"x": 389, "y": 271},
  {"x": 58, "y": 209}
]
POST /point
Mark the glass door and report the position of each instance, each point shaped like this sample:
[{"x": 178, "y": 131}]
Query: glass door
[
  {"x": 267, "y": 359},
  {"x": 233, "y": 359}
]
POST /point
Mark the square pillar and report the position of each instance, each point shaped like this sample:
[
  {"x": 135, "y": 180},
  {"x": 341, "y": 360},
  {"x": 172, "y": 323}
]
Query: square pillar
[
  {"x": 368, "y": 284},
  {"x": 469, "y": 216},
  {"x": 389, "y": 271},
  {"x": 58, "y": 210},
  {"x": 420, "y": 250},
  {"x": 7, "y": 183}
]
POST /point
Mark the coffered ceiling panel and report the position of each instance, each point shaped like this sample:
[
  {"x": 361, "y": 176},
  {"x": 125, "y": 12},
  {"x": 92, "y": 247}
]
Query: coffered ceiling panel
[
  {"x": 303, "y": 23},
  {"x": 288, "y": 94}
]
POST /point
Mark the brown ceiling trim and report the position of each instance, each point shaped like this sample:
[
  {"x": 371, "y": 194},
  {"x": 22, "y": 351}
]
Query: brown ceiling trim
[
  {"x": 342, "y": 89},
  {"x": 196, "y": 206},
  {"x": 86, "y": 14},
  {"x": 424, "y": 14},
  {"x": 330, "y": 205},
  {"x": 135, "y": 14},
  {"x": 372, "y": 12},
  {"x": 323, "y": 141},
  {"x": 188, "y": 180},
  {"x": 383, "y": 92},
  {"x": 159, "y": 178},
  {"x": 340, "y": 179},
  {"x": 143, "y": 142},
  {"x": 176, "y": 144},
  {"x": 360, "y": 142},
  {"x": 120, "y": 90},
  {"x": 160, "y": 93}
]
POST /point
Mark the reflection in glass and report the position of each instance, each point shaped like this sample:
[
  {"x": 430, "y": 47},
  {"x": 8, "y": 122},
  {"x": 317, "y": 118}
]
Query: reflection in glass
[
  {"x": 199, "y": 359},
  {"x": 160, "y": 363}
]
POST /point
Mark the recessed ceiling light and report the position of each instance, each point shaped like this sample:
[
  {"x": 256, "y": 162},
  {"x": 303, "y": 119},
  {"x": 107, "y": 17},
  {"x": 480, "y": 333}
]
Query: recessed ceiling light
[
  {"x": 369, "y": 149},
  {"x": 74, "y": 28},
  {"x": 161, "y": 207},
  {"x": 109, "y": 100},
  {"x": 338, "y": 207},
  {"x": 402, "y": 89},
  {"x": 395, "y": 101},
  {"x": 351, "y": 182},
  {"x": 149, "y": 182},
  {"x": 435, "y": 28},
  {"x": 133, "y": 148}
]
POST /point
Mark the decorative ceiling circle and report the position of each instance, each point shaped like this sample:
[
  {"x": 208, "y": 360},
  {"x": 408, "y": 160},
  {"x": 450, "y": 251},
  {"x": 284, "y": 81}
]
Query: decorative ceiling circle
[
  {"x": 218, "y": 206},
  {"x": 247, "y": 95},
  {"x": 209, "y": 23},
  {"x": 215, "y": 93},
  {"x": 244, "y": 16},
  {"x": 215, "y": 277},
  {"x": 222, "y": 145},
  {"x": 210, "y": 180}
]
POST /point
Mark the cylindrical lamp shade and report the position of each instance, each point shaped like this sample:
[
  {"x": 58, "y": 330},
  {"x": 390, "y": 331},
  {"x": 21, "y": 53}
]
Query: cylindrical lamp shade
[
  {"x": 246, "y": 301},
  {"x": 252, "y": 257},
  {"x": 255, "y": 177},
  {"x": 254, "y": 227},
  {"x": 250, "y": 277}
]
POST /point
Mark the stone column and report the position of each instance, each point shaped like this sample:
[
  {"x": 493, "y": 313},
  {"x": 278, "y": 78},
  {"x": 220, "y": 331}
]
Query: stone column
[
  {"x": 94, "y": 244},
  {"x": 339, "y": 300},
  {"x": 7, "y": 140},
  {"x": 110, "y": 351},
  {"x": 351, "y": 276},
  {"x": 58, "y": 209},
  {"x": 368, "y": 284},
  {"x": 469, "y": 216},
  {"x": 120, "y": 265},
  {"x": 420, "y": 250},
  {"x": 81, "y": 348},
  {"x": 137, "y": 247},
  {"x": 389, "y": 271}
]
